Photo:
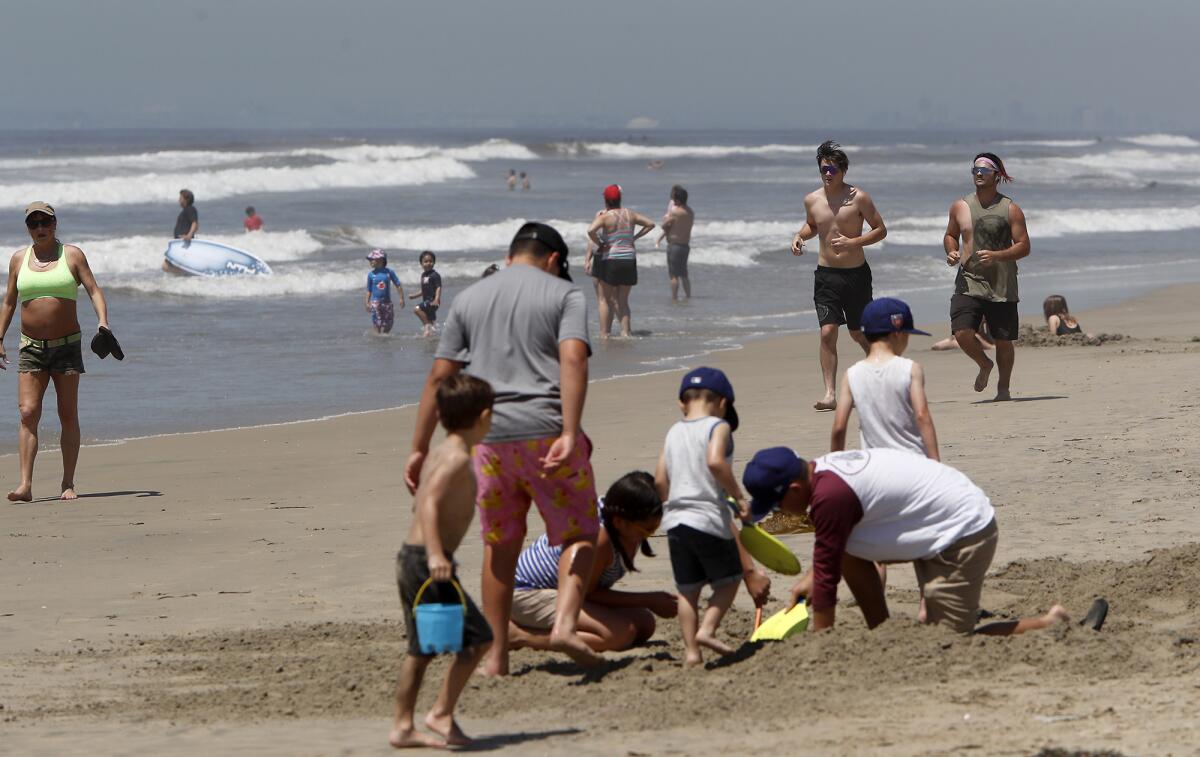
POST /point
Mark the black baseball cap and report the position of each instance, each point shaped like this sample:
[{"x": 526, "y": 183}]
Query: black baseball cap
[
  {"x": 767, "y": 478},
  {"x": 549, "y": 236}
]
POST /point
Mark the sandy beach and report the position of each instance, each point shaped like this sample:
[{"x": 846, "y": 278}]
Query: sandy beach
[{"x": 232, "y": 592}]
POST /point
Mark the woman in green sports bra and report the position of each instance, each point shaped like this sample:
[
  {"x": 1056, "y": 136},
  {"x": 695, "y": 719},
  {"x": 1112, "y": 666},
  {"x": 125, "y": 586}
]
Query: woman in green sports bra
[{"x": 44, "y": 277}]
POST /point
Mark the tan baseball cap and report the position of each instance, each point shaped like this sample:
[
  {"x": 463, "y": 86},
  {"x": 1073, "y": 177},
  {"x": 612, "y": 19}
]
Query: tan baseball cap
[{"x": 38, "y": 207}]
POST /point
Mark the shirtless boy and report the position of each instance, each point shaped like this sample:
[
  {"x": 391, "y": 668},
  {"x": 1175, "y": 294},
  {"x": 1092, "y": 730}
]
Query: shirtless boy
[
  {"x": 443, "y": 510},
  {"x": 842, "y": 282}
]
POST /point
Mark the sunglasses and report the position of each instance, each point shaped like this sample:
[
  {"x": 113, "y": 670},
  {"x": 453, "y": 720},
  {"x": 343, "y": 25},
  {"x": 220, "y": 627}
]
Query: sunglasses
[
  {"x": 39, "y": 223},
  {"x": 829, "y": 170},
  {"x": 981, "y": 171}
]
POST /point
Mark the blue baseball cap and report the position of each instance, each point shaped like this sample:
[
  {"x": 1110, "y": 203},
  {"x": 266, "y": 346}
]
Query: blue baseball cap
[
  {"x": 888, "y": 315},
  {"x": 767, "y": 478},
  {"x": 714, "y": 380}
]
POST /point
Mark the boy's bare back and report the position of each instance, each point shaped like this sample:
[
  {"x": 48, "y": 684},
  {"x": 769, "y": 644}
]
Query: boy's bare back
[{"x": 449, "y": 480}]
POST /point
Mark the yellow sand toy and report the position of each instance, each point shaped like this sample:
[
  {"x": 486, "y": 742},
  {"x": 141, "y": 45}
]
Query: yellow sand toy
[
  {"x": 767, "y": 549},
  {"x": 782, "y": 625}
]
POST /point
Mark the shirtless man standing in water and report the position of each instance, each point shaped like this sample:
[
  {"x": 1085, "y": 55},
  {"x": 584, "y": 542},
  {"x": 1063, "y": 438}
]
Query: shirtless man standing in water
[{"x": 842, "y": 282}]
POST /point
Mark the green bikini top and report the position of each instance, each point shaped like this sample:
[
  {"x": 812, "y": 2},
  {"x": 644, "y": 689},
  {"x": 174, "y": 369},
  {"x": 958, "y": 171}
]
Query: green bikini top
[{"x": 57, "y": 281}]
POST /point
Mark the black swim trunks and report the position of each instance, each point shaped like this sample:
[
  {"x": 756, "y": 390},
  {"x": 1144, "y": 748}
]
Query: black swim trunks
[
  {"x": 429, "y": 309},
  {"x": 840, "y": 294},
  {"x": 967, "y": 312},
  {"x": 412, "y": 568},
  {"x": 698, "y": 558},
  {"x": 619, "y": 273},
  {"x": 677, "y": 259}
]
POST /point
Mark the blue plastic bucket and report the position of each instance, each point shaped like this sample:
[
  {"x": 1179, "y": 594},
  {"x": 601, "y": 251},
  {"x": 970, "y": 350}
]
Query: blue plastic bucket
[{"x": 440, "y": 626}]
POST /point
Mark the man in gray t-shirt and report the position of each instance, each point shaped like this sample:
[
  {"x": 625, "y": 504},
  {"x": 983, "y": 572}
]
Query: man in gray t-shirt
[{"x": 524, "y": 330}]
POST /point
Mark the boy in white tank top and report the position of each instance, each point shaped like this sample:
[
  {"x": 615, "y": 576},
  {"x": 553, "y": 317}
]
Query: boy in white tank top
[
  {"x": 887, "y": 389},
  {"x": 694, "y": 475}
]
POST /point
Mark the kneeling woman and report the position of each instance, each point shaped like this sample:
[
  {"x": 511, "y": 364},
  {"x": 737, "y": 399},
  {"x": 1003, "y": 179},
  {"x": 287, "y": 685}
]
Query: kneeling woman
[
  {"x": 609, "y": 620},
  {"x": 45, "y": 277}
]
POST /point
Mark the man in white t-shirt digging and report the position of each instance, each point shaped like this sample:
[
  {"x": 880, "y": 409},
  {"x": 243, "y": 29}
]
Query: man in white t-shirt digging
[{"x": 884, "y": 505}]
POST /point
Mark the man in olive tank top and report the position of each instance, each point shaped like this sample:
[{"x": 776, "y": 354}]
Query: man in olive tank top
[{"x": 992, "y": 230}]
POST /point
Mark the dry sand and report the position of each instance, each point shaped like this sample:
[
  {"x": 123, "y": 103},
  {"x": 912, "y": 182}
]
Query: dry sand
[{"x": 232, "y": 592}]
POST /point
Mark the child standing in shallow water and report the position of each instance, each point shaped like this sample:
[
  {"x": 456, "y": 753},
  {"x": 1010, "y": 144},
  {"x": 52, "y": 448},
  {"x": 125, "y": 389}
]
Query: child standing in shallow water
[
  {"x": 430, "y": 293},
  {"x": 378, "y": 301},
  {"x": 695, "y": 473},
  {"x": 443, "y": 509}
]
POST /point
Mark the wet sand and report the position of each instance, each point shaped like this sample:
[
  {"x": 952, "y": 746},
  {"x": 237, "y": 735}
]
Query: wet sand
[{"x": 232, "y": 591}]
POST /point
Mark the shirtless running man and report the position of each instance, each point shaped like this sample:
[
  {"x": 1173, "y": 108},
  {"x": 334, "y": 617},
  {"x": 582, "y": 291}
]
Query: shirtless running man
[{"x": 842, "y": 282}]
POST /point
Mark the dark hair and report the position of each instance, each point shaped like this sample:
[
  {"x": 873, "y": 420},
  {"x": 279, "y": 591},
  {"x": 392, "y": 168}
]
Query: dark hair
[
  {"x": 832, "y": 151},
  {"x": 995, "y": 159},
  {"x": 461, "y": 399},
  {"x": 708, "y": 395},
  {"x": 679, "y": 195},
  {"x": 633, "y": 497},
  {"x": 187, "y": 195},
  {"x": 249, "y": 210},
  {"x": 426, "y": 253},
  {"x": 522, "y": 174},
  {"x": 612, "y": 204},
  {"x": 1055, "y": 304}
]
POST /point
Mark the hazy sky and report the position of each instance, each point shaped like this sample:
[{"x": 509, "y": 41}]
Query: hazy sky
[{"x": 1040, "y": 65}]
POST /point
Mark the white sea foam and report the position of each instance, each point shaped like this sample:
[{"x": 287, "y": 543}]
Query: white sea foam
[
  {"x": 175, "y": 160},
  {"x": 1053, "y": 223},
  {"x": 238, "y": 181},
  {"x": 1067, "y": 143},
  {"x": 629, "y": 151},
  {"x": 1162, "y": 140}
]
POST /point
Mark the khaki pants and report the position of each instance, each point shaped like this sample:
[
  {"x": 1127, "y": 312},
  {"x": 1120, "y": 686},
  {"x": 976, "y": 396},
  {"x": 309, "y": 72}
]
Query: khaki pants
[{"x": 952, "y": 580}]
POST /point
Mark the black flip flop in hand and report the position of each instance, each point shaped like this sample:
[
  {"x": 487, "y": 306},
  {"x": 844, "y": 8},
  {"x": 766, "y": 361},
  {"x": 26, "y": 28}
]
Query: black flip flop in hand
[{"x": 104, "y": 344}]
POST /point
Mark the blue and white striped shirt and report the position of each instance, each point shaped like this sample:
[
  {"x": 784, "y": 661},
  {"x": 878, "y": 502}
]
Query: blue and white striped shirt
[{"x": 537, "y": 567}]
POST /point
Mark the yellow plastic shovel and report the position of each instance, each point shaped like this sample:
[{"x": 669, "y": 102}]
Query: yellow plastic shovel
[{"x": 782, "y": 625}]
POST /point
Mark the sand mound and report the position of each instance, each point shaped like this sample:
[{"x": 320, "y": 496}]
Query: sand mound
[
  {"x": 347, "y": 669},
  {"x": 1030, "y": 336}
]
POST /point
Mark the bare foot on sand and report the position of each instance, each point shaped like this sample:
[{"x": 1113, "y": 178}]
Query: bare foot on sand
[
  {"x": 518, "y": 638},
  {"x": 21, "y": 494},
  {"x": 410, "y": 738},
  {"x": 981, "y": 381},
  {"x": 713, "y": 643},
  {"x": 68, "y": 492},
  {"x": 575, "y": 648},
  {"x": 693, "y": 660},
  {"x": 493, "y": 666},
  {"x": 1057, "y": 614},
  {"x": 1002, "y": 395},
  {"x": 445, "y": 727},
  {"x": 826, "y": 404}
]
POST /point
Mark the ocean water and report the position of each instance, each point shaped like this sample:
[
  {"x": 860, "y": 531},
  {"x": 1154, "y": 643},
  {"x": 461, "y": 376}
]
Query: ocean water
[{"x": 1109, "y": 218}]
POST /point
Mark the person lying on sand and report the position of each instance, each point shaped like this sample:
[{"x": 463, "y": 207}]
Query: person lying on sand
[
  {"x": 609, "y": 620},
  {"x": 884, "y": 505}
]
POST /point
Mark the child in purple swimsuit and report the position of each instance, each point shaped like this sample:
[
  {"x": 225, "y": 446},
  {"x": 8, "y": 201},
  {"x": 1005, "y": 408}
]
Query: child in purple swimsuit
[{"x": 378, "y": 301}]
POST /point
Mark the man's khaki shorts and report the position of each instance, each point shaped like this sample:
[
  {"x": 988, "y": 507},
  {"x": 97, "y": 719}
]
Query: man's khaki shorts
[{"x": 952, "y": 581}]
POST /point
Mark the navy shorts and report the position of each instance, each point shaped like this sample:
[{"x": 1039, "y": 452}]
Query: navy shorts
[{"x": 698, "y": 558}]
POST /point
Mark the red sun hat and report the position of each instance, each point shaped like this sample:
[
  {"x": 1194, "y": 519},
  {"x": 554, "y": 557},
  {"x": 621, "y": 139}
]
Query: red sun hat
[{"x": 612, "y": 192}]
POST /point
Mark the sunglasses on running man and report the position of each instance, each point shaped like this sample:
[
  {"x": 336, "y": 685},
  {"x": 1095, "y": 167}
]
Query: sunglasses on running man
[
  {"x": 981, "y": 171},
  {"x": 830, "y": 170}
]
